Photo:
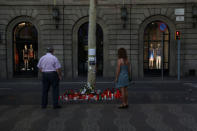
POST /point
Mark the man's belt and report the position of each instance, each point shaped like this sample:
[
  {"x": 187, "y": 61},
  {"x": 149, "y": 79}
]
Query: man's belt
[{"x": 48, "y": 72}]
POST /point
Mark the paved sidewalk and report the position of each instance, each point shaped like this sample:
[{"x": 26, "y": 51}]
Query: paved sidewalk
[
  {"x": 101, "y": 79},
  {"x": 29, "y": 92},
  {"x": 100, "y": 117},
  {"x": 154, "y": 106}
]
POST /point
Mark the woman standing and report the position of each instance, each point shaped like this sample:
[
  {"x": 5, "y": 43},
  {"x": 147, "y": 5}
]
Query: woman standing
[{"x": 122, "y": 76}]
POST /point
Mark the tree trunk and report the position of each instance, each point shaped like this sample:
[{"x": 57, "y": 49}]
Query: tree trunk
[{"x": 92, "y": 45}]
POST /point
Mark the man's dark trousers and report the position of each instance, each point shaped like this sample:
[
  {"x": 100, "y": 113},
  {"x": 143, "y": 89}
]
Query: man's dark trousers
[{"x": 50, "y": 79}]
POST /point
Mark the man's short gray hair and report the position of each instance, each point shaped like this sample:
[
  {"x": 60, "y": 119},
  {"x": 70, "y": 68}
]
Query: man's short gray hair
[{"x": 50, "y": 49}]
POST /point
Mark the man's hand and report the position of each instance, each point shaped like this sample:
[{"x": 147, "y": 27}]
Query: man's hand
[
  {"x": 60, "y": 77},
  {"x": 59, "y": 74}
]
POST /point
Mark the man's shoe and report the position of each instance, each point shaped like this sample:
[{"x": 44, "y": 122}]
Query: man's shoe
[{"x": 57, "y": 107}]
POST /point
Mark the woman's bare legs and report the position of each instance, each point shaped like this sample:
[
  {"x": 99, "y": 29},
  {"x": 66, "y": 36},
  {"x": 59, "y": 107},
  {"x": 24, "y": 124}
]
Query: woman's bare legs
[
  {"x": 123, "y": 96},
  {"x": 126, "y": 95}
]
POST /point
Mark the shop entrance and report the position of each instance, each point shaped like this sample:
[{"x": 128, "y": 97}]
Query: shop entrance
[
  {"x": 25, "y": 50},
  {"x": 83, "y": 50},
  {"x": 153, "y": 49}
]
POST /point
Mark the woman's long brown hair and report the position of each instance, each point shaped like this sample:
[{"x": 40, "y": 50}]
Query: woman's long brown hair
[{"x": 122, "y": 53}]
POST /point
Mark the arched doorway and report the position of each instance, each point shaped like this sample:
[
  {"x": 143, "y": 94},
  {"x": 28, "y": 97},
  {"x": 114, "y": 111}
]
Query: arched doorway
[
  {"x": 25, "y": 50},
  {"x": 172, "y": 64},
  {"x": 156, "y": 45},
  {"x": 83, "y": 50}
]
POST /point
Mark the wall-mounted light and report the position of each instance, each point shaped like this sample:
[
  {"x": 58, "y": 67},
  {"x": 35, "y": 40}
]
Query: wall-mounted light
[
  {"x": 194, "y": 14},
  {"x": 124, "y": 14},
  {"x": 56, "y": 16}
]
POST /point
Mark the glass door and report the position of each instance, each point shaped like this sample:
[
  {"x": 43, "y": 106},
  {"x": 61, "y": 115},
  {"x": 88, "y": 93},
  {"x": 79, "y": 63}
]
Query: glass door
[
  {"x": 25, "y": 50},
  {"x": 153, "y": 49}
]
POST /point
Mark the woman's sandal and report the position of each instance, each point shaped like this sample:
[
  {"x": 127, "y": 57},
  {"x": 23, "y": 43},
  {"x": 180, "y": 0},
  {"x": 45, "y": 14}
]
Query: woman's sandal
[
  {"x": 122, "y": 106},
  {"x": 126, "y": 106}
]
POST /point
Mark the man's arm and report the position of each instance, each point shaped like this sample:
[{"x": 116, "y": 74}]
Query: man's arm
[
  {"x": 58, "y": 68},
  {"x": 59, "y": 73},
  {"x": 39, "y": 65}
]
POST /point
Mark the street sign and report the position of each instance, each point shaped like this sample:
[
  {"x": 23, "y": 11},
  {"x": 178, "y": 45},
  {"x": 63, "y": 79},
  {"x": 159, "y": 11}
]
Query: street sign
[
  {"x": 180, "y": 18},
  {"x": 180, "y": 11},
  {"x": 162, "y": 27}
]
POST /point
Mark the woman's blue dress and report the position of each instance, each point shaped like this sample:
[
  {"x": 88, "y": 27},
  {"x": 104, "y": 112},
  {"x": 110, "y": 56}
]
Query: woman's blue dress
[{"x": 123, "y": 78}]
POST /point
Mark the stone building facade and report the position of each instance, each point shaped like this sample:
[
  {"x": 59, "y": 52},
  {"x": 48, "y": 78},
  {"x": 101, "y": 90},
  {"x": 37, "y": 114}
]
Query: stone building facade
[{"x": 31, "y": 23}]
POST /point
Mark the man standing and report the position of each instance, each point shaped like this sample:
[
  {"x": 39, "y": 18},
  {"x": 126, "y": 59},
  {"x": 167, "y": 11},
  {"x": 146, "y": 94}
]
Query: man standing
[{"x": 51, "y": 74}]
